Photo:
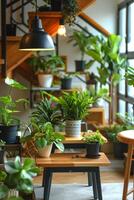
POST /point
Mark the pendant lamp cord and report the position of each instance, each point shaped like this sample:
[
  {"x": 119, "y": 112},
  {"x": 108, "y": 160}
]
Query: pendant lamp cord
[{"x": 36, "y": 6}]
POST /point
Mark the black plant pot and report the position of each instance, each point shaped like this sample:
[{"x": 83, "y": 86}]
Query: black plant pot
[
  {"x": 27, "y": 196},
  {"x": 79, "y": 65},
  {"x": 92, "y": 150},
  {"x": 119, "y": 149},
  {"x": 2, "y": 155},
  {"x": 9, "y": 133},
  {"x": 11, "y": 29},
  {"x": 66, "y": 83},
  {"x": 56, "y": 5},
  {"x": 44, "y": 8}
]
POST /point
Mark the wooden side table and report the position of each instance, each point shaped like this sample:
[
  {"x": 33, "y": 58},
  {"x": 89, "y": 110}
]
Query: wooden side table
[{"x": 74, "y": 163}]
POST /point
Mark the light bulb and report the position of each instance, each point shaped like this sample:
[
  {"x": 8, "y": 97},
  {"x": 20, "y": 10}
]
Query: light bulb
[{"x": 62, "y": 30}]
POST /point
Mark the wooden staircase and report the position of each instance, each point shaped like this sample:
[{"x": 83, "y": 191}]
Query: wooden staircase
[
  {"x": 16, "y": 60},
  {"x": 15, "y": 57}
]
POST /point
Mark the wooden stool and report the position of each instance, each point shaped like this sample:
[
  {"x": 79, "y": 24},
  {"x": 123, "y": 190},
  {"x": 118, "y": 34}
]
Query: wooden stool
[{"x": 127, "y": 137}]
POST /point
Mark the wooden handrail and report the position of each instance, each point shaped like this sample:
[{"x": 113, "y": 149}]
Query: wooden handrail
[
  {"x": 93, "y": 23},
  {"x": 85, "y": 3}
]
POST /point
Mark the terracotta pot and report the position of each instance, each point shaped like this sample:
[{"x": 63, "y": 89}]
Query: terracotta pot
[{"x": 45, "y": 152}]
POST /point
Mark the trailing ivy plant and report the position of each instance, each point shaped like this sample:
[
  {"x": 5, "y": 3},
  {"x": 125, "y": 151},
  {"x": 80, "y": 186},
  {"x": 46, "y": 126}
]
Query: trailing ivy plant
[{"x": 70, "y": 11}]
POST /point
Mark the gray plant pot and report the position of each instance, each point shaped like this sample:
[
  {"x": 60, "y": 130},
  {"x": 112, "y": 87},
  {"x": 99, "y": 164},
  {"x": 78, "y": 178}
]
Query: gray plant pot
[{"x": 73, "y": 128}]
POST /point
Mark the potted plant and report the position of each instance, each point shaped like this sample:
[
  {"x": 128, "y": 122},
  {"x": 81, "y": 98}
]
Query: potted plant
[
  {"x": 69, "y": 9},
  {"x": 2, "y": 147},
  {"x": 66, "y": 79},
  {"x": 111, "y": 132},
  {"x": 75, "y": 107},
  {"x": 44, "y": 136},
  {"x": 18, "y": 176},
  {"x": 45, "y": 66},
  {"x": 47, "y": 111},
  {"x": 106, "y": 53},
  {"x": 81, "y": 39},
  {"x": 8, "y": 107},
  {"x": 93, "y": 141}
]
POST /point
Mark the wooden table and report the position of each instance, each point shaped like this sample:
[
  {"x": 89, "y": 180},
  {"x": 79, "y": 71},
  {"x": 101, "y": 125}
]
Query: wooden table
[{"x": 72, "y": 162}]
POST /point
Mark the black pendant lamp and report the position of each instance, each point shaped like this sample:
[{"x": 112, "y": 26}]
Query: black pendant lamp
[{"x": 37, "y": 39}]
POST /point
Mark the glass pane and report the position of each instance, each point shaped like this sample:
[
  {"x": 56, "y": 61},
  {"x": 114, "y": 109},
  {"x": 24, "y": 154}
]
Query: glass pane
[
  {"x": 130, "y": 110},
  {"x": 131, "y": 88},
  {"x": 122, "y": 82},
  {"x": 122, "y": 107},
  {"x": 122, "y": 29},
  {"x": 131, "y": 27}
]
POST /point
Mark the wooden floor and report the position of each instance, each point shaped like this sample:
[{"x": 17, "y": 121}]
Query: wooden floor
[{"x": 113, "y": 174}]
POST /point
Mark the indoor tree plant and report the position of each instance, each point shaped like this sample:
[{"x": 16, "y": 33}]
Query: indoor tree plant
[
  {"x": 45, "y": 66},
  {"x": 106, "y": 53},
  {"x": 44, "y": 136},
  {"x": 8, "y": 107},
  {"x": 18, "y": 176},
  {"x": 80, "y": 38},
  {"x": 93, "y": 141},
  {"x": 75, "y": 107}
]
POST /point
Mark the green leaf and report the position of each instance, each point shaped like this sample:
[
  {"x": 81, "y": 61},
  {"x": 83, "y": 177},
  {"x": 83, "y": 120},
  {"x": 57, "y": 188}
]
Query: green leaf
[
  {"x": 116, "y": 78},
  {"x": 59, "y": 145},
  {"x": 14, "y": 84},
  {"x": 3, "y": 191}
]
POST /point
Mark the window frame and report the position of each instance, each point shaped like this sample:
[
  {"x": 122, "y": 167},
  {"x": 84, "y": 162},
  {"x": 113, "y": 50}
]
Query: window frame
[{"x": 130, "y": 55}]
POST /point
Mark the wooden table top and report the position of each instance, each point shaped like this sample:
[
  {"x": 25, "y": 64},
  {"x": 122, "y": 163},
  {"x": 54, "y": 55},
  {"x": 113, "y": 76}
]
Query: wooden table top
[
  {"x": 72, "y": 160},
  {"x": 78, "y": 140}
]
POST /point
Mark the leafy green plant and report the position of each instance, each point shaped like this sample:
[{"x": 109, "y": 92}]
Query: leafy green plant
[
  {"x": 130, "y": 75},
  {"x": 74, "y": 105},
  {"x": 47, "y": 111},
  {"x": 44, "y": 135},
  {"x": 8, "y": 106},
  {"x": 106, "y": 53},
  {"x": 80, "y": 38},
  {"x": 113, "y": 130},
  {"x": 94, "y": 137},
  {"x": 102, "y": 93},
  {"x": 18, "y": 176},
  {"x": 46, "y": 64}
]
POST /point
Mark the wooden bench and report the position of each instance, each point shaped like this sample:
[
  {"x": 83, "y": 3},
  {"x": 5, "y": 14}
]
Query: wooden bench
[{"x": 72, "y": 162}]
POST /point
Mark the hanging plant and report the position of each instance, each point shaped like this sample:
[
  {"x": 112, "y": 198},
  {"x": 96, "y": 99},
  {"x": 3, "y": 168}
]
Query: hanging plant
[{"x": 70, "y": 11}]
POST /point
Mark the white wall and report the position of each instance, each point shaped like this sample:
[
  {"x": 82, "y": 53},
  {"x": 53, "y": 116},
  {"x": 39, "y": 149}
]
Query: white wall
[{"x": 103, "y": 12}]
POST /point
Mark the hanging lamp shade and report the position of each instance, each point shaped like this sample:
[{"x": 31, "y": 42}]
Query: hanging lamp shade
[{"x": 37, "y": 39}]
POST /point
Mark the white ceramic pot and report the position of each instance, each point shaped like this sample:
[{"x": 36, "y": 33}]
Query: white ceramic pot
[
  {"x": 45, "y": 80},
  {"x": 45, "y": 152},
  {"x": 73, "y": 128}
]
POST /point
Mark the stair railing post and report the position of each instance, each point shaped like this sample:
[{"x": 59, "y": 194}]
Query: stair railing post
[{"x": 3, "y": 38}]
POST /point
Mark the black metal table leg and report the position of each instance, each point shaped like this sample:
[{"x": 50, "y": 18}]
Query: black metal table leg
[
  {"x": 98, "y": 182},
  {"x": 95, "y": 192},
  {"x": 47, "y": 184},
  {"x": 89, "y": 174}
]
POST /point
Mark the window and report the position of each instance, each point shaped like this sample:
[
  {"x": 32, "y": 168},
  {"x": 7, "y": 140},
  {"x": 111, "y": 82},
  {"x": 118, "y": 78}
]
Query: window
[{"x": 126, "y": 30}]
